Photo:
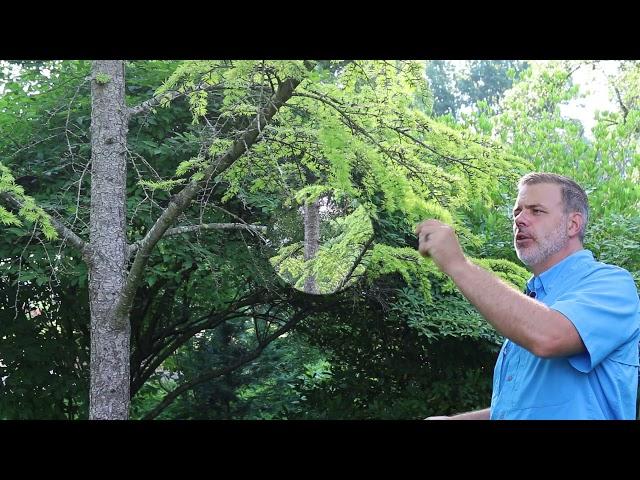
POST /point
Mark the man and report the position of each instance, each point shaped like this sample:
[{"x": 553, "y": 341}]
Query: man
[{"x": 572, "y": 343}]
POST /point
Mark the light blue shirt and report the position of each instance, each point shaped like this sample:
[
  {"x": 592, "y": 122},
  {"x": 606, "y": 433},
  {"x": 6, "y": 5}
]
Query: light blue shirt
[{"x": 602, "y": 303}]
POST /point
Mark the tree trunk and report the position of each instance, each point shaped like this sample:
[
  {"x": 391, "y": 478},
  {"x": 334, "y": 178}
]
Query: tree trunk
[
  {"x": 311, "y": 240},
  {"x": 109, "y": 387}
]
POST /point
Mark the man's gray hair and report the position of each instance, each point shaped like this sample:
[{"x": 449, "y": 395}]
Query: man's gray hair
[{"x": 574, "y": 198}]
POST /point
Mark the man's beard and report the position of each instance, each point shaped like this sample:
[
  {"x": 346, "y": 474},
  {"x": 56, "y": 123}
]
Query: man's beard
[{"x": 541, "y": 249}]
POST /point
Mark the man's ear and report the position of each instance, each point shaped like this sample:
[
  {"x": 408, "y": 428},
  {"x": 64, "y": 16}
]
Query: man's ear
[{"x": 575, "y": 223}]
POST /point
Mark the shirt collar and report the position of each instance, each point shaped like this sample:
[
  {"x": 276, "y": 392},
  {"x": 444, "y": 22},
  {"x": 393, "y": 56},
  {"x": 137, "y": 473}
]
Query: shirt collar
[{"x": 549, "y": 279}]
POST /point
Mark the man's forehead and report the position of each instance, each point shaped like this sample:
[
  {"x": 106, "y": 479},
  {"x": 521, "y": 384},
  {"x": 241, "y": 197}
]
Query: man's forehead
[{"x": 540, "y": 193}]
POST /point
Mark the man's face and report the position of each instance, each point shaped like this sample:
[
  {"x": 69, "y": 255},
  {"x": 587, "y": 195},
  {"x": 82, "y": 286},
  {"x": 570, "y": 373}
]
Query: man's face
[{"x": 539, "y": 224}]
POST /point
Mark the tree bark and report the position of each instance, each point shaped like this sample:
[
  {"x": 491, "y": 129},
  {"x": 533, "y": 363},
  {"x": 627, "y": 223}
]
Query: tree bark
[
  {"x": 311, "y": 240},
  {"x": 110, "y": 331}
]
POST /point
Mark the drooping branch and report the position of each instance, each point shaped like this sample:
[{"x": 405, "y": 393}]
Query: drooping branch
[
  {"x": 357, "y": 262},
  {"x": 211, "y": 374},
  {"x": 63, "y": 231},
  {"x": 205, "y": 226},
  {"x": 175, "y": 335},
  {"x": 147, "y": 105},
  {"x": 183, "y": 199},
  {"x": 461, "y": 161},
  {"x": 167, "y": 345},
  {"x": 201, "y": 379},
  {"x": 351, "y": 123}
]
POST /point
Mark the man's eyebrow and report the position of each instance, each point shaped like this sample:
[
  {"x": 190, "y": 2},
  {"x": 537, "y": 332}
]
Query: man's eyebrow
[{"x": 533, "y": 205}]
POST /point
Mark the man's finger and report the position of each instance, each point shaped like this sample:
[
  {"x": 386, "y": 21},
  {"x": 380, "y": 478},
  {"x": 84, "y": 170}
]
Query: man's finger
[
  {"x": 423, "y": 248},
  {"x": 427, "y": 223}
]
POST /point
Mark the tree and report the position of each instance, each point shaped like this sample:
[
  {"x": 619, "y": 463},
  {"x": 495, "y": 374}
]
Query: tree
[
  {"x": 354, "y": 123},
  {"x": 441, "y": 81},
  {"x": 107, "y": 253}
]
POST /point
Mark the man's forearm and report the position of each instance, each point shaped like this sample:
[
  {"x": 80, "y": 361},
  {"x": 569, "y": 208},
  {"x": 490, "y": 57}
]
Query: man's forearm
[
  {"x": 513, "y": 315},
  {"x": 477, "y": 415}
]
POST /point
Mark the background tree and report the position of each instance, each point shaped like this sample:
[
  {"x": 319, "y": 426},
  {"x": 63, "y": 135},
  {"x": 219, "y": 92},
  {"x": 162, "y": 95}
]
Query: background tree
[
  {"x": 606, "y": 166},
  {"x": 457, "y": 89}
]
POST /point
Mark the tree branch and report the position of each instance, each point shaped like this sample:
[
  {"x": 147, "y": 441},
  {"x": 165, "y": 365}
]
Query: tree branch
[
  {"x": 625, "y": 110},
  {"x": 182, "y": 200},
  {"x": 63, "y": 231},
  {"x": 154, "y": 101},
  {"x": 355, "y": 264},
  {"x": 147, "y": 105},
  {"x": 352, "y": 124},
  {"x": 347, "y": 119},
  {"x": 211, "y": 374},
  {"x": 205, "y": 226},
  {"x": 175, "y": 335}
]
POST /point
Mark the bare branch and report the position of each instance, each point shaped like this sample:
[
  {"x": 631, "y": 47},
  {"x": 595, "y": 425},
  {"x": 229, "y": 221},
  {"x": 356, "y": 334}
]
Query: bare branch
[
  {"x": 167, "y": 340},
  {"x": 148, "y": 105},
  {"x": 625, "y": 110},
  {"x": 205, "y": 226},
  {"x": 215, "y": 226}
]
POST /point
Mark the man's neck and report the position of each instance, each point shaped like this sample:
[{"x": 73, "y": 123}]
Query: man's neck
[{"x": 556, "y": 258}]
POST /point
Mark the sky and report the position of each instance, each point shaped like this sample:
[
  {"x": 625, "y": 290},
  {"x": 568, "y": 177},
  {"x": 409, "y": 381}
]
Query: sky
[{"x": 594, "y": 83}]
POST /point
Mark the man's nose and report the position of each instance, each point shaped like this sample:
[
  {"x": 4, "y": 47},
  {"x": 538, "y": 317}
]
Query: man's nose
[{"x": 520, "y": 219}]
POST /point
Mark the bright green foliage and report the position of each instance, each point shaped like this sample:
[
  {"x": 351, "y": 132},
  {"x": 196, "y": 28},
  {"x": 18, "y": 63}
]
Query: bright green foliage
[
  {"x": 166, "y": 185},
  {"x": 350, "y": 127},
  {"x": 616, "y": 240},
  {"x": 311, "y": 193},
  {"x": 355, "y": 127},
  {"x": 29, "y": 210},
  {"x": 506, "y": 270},
  {"x": 342, "y": 242},
  {"x": 406, "y": 262},
  {"x": 196, "y": 163},
  {"x": 531, "y": 122}
]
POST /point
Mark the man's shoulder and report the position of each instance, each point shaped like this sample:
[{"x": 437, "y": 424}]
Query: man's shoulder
[
  {"x": 603, "y": 268},
  {"x": 611, "y": 275}
]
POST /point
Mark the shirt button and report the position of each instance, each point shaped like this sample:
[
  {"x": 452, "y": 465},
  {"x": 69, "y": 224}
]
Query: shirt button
[{"x": 509, "y": 378}]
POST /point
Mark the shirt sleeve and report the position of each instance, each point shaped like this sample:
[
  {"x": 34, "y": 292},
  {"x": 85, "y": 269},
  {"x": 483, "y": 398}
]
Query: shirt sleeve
[{"x": 604, "y": 308}]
